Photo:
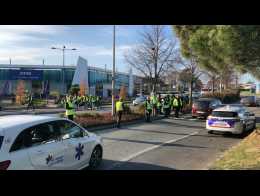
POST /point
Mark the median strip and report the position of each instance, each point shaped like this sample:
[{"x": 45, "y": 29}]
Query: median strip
[{"x": 245, "y": 155}]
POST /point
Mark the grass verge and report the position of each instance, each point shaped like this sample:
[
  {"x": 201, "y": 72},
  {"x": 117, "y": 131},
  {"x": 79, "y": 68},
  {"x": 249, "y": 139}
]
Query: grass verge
[{"x": 246, "y": 155}]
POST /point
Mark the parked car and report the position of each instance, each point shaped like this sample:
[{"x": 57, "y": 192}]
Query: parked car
[
  {"x": 258, "y": 101},
  {"x": 232, "y": 119},
  {"x": 139, "y": 100},
  {"x": 30, "y": 142},
  {"x": 249, "y": 101},
  {"x": 204, "y": 106}
]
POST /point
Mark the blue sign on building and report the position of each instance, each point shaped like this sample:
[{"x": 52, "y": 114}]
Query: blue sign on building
[{"x": 25, "y": 74}]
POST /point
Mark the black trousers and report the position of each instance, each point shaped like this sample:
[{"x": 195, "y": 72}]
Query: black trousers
[
  {"x": 148, "y": 115},
  {"x": 118, "y": 118},
  {"x": 167, "y": 112},
  {"x": 177, "y": 110},
  {"x": 70, "y": 117},
  {"x": 159, "y": 110}
]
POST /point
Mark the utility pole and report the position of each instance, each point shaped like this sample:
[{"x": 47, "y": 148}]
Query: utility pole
[
  {"x": 113, "y": 72},
  {"x": 10, "y": 61},
  {"x": 63, "y": 65},
  {"x": 42, "y": 61}
]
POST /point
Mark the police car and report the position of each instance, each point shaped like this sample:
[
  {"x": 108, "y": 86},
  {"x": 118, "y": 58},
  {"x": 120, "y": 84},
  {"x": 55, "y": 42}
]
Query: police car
[
  {"x": 233, "y": 119},
  {"x": 41, "y": 142}
]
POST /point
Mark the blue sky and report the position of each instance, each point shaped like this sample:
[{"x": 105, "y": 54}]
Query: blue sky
[{"x": 31, "y": 44}]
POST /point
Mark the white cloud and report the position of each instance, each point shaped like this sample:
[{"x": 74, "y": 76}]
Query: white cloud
[
  {"x": 13, "y": 39},
  {"x": 15, "y": 34}
]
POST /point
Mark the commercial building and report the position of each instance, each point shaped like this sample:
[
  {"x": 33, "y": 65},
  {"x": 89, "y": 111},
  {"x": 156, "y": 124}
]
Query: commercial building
[{"x": 44, "y": 79}]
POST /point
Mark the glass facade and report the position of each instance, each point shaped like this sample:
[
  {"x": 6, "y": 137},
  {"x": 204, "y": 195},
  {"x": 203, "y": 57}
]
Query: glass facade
[{"x": 97, "y": 78}]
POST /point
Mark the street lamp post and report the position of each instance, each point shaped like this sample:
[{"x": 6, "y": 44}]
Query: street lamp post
[
  {"x": 63, "y": 64},
  {"x": 113, "y": 72}
]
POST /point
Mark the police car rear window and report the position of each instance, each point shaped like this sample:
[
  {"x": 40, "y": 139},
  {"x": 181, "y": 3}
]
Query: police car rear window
[
  {"x": 1, "y": 141},
  {"x": 224, "y": 114},
  {"x": 202, "y": 103}
]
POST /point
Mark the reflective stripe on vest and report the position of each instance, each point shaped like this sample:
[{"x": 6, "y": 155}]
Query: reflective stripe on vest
[{"x": 119, "y": 106}]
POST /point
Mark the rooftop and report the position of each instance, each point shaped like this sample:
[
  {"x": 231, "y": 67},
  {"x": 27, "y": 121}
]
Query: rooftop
[
  {"x": 50, "y": 67},
  {"x": 230, "y": 108},
  {"x": 18, "y": 120}
]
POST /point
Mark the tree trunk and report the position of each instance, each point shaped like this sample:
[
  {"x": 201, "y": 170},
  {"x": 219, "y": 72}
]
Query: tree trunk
[
  {"x": 190, "y": 99},
  {"x": 220, "y": 85},
  {"x": 213, "y": 85}
]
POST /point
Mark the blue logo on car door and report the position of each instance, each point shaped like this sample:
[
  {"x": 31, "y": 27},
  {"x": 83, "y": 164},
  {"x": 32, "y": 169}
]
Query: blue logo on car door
[{"x": 79, "y": 151}]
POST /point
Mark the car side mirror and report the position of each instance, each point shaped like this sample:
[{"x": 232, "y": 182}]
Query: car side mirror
[{"x": 83, "y": 133}]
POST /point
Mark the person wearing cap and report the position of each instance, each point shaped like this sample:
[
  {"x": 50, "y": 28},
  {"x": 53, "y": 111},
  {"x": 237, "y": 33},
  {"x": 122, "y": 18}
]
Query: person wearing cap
[
  {"x": 119, "y": 111},
  {"x": 148, "y": 109}
]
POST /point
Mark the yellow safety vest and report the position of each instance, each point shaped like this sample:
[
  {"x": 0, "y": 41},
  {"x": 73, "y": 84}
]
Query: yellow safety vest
[
  {"x": 70, "y": 111},
  {"x": 148, "y": 106},
  {"x": 175, "y": 102},
  {"x": 119, "y": 106}
]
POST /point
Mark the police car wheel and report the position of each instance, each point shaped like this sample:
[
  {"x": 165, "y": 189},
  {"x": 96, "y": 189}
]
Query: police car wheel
[
  {"x": 210, "y": 132},
  {"x": 244, "y": 129},
  {"x": 96, "y": 157}
]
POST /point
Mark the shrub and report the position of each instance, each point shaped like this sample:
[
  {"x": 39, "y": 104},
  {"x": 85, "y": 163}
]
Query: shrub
[
  {"x": 127, "y": 109},
  {"x": 74, "y": 90},
  {"x": 54, "y": 94},
  {"x": 139, "y": 110},
  {"x": 87, "y": 114}
]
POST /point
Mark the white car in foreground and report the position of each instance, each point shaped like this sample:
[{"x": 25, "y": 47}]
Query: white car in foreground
[
  {"x": 30, "y": 142},
  {"x": 233, "y": 119}
]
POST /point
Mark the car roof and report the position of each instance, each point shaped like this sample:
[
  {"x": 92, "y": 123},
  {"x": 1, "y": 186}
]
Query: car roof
[
  {"x": 206, "y": 99},
  {"x": 229, "y": 108},
  {"x": 11, "y": 121}
]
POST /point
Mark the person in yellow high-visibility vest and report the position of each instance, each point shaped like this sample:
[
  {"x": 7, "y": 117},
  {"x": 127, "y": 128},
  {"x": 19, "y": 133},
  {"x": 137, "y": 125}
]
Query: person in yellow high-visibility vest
[
  {"x": 70, "y": 108},
  {"x": 177, "y": 104},
  {"x": 119, "y": 111},
  {"x": 148, "y": 109},
  {"x": 154, "y": 102}
]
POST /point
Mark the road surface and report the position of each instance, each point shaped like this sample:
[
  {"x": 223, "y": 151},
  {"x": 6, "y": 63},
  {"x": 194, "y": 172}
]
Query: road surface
[
  {"x": 163, "y": 144},
  {"x": 166, "y": 144}
]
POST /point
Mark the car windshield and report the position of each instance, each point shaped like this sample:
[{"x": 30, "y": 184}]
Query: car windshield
[
  {"x": 224, "y": 114},
  {"x": 140, "y": 98},
  {"x": 201, "y": 104},
  {"x": 251, "y": 98},
  {"x": 1, "y": 141}
]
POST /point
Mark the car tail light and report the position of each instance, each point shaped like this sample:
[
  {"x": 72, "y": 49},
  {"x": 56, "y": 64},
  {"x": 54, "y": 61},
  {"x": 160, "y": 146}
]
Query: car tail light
[
  {"x": 193, "y": 108},
  {"x": 4, "y": 165}
]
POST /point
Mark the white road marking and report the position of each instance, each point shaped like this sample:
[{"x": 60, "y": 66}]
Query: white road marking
[{"x": 148, "y": 149}]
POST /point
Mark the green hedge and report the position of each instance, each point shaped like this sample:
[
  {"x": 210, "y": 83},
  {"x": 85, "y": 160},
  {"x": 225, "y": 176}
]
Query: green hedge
[{"x": 225, "y": 97}]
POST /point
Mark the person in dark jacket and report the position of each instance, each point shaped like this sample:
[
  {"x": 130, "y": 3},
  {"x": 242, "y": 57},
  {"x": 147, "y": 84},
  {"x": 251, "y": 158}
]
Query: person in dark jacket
[{"x": 30, "y": 102}]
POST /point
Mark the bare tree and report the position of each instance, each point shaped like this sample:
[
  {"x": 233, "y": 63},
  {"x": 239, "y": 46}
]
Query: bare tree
[
  {"x": 193, "y": 71},
  {"x": 154, "y": 56}
]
